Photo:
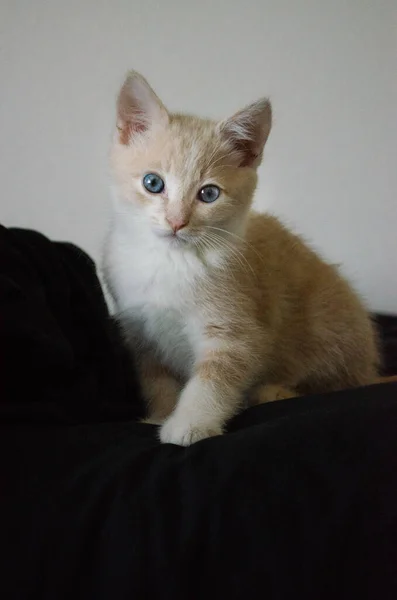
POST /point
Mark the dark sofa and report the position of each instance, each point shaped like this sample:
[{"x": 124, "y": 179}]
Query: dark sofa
[{"x": 297, "y": 500}]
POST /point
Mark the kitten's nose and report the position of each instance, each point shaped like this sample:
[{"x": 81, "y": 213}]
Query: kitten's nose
[{"x": 177, "y": 224}]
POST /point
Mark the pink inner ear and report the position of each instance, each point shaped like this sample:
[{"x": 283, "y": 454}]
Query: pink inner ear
[
  {"x": 138, "y": 127},
  {"x": 131, "y": 127},
  {"x": 248, "y": 155},
  {"x": 248, "y": 130},
  {"x": 246, "y": 152}
]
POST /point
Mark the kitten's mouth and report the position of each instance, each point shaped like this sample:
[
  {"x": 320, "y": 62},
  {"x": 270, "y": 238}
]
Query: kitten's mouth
[{"x": 176, "y": 239}]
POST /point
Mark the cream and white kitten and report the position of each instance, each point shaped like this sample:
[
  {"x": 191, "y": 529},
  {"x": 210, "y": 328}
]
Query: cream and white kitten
[{"x": 218, "y": 303}]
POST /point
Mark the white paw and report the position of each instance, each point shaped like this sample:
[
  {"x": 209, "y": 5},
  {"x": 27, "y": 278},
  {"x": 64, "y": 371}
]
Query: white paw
[{"x": 183, "y": 432}]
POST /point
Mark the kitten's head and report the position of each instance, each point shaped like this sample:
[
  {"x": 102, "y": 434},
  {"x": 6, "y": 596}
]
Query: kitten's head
[{"x": 181, "y": 177}]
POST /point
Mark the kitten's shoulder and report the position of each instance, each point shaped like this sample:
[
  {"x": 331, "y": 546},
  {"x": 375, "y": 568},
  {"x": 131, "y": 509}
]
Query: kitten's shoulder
[
  {"x": 259, "y": 219},
  {"x": 265, "y": 226},
  {"x": 271, "y": 238}
]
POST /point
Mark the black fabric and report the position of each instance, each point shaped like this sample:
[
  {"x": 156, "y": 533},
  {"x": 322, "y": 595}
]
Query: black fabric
[
  {"x": 61, "y": 356},
  {"x": 299, "y": 499},
  {"x": 387, "y": 327}
]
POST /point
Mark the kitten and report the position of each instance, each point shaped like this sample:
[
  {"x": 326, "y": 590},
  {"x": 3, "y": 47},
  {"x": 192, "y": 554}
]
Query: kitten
[{"x": 219, "y": 303}]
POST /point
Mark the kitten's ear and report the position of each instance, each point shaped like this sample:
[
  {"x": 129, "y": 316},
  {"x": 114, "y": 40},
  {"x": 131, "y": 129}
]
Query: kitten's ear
[
  {"x": 138, "y": 108},
  {"x": 247, "y": 132}
]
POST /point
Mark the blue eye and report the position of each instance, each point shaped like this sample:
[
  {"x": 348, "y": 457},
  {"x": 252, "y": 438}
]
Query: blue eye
[
  {"x": 153, "y": 183},
  {"x": 209, "y": 193}
]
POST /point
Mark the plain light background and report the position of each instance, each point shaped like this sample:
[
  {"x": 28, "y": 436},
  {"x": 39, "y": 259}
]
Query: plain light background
[{"x": 329, "y": 67}]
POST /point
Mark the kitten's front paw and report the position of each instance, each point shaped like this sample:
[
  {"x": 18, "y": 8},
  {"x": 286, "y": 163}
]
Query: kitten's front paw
[{"x": 184, "y": 432}]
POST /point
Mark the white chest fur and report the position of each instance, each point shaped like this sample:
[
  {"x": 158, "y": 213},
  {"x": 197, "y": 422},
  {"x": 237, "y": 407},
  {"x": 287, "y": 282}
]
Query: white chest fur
[{"x": 154, "y": 285}]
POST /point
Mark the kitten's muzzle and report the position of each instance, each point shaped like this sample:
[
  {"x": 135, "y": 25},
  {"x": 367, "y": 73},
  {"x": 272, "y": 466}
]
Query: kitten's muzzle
[{"x": 177, "y": 224}]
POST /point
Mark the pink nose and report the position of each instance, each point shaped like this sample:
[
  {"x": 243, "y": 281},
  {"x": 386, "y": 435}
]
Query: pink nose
[{"x": 177, "y": 224}]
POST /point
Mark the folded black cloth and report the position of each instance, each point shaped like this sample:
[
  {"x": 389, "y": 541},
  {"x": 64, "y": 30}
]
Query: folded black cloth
[
  {"x": 61, "y": 356},
  {"x": 299, "y": 499}
]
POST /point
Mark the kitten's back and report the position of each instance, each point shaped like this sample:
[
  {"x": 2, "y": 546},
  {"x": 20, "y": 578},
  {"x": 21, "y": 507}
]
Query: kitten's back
[{"x": 322, "y": 335}]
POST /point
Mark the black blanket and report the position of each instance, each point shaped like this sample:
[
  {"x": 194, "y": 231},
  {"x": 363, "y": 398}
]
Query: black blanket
[{"x": 298, "y": 500}]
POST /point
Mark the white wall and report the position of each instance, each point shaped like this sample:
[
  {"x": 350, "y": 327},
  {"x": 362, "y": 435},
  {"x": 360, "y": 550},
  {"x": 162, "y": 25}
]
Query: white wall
[{"x": 328, "y": 65}]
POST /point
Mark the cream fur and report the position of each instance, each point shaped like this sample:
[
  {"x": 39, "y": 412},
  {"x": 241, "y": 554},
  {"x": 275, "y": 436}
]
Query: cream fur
[{"x": 233, "y": 304}]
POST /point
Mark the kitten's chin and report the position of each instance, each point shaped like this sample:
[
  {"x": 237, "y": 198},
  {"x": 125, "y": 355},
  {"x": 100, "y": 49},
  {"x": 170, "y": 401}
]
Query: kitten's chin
[
  {"x": 170, "y": 237},
  {"x": 163, "y": 233}
]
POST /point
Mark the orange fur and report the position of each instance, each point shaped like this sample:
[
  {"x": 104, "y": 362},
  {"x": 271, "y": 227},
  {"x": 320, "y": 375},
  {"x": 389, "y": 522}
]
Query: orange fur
[{"x": 251, "y": 303}]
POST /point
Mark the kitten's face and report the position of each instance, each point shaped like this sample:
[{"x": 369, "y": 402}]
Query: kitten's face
[{"x": 185, "y": 179}]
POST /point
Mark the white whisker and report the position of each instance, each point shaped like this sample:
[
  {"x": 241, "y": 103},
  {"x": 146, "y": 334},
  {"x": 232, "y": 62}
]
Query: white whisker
[
  {"x": 240, "y": 239},
  {"x": 238, "y": 255}
]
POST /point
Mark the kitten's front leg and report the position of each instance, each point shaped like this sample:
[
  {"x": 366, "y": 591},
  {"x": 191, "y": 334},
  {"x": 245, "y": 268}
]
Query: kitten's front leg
[
  {"x": 211, "y": 397},
  {"x": 198, "y": 415}
]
